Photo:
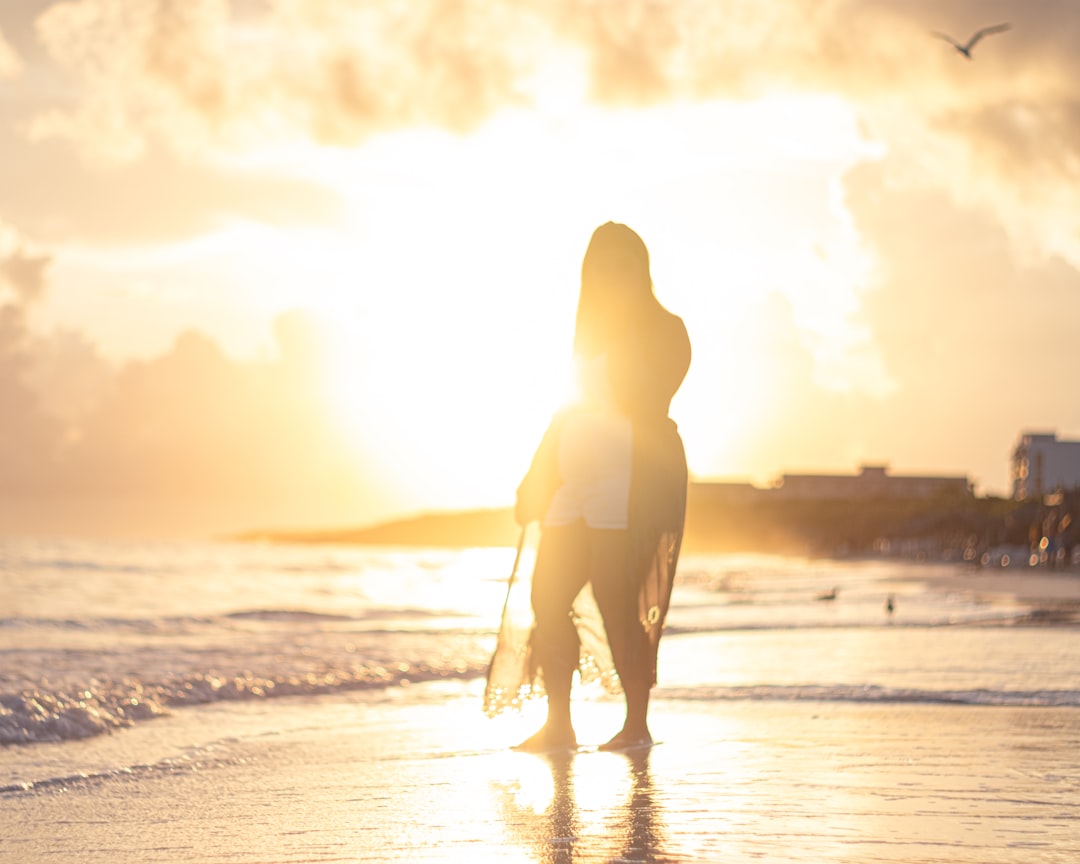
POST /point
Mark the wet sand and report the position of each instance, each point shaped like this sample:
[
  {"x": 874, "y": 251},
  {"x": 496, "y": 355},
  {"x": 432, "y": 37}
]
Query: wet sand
[
  {"x": 1052, "y": 595},
  {"x": 1028, "y": 584},
  {"x": 418, "y": 774}
]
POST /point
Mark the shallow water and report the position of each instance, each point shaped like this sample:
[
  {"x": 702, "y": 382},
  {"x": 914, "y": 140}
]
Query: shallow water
[{"x": 101, "y": 638}]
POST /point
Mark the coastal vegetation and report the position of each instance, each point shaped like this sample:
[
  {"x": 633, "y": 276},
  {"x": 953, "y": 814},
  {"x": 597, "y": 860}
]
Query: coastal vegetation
[{"x": 949, "y": 527}]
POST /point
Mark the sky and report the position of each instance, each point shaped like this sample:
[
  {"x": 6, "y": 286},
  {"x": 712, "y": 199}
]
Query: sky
[{"x": 314, "y": 263}]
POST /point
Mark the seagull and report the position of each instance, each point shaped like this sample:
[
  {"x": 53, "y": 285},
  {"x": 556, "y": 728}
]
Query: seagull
[{"x": 966, "y": 49}]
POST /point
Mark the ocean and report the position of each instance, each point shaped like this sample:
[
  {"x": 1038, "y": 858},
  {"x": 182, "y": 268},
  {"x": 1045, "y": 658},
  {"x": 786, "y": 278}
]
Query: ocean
[{"x": 143, "y": 648}]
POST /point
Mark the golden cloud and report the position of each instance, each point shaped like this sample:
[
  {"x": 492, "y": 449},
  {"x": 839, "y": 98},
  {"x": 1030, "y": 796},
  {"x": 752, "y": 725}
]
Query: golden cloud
[
  {"x": 10, "y": 64},
  {"x": 198, "y": 75},
  {"x": 1001, "y": 130}
]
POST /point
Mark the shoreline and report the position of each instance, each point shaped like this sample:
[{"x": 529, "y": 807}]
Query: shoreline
[
  {"x": 1053, "y": 595},
  {"x": 419, "y": 775}
]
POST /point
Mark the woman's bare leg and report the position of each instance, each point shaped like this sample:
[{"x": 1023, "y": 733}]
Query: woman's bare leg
[
  {"x": 558, "y": 730},
  {"x": 629, "y": 644},
  {"x": 635, "y": 731},
  {"x": 561, "y": 571}
]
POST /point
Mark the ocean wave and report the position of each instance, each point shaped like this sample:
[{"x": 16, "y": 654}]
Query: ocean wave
[
  {"x": 873, "y": 694},
  {"x": 39, "y": 716},
  {"x": 989, "y": 620},
  {"x": 288, "y": 615},
  {"x": 184, "y": 623},
  {"x": 191, "y": 760},
  {"x": 369, "y": 614},
  {"x": 141, "y": 625}
]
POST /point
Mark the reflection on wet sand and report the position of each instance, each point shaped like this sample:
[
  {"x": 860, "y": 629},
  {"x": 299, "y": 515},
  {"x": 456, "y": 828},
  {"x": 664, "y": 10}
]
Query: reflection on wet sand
[
  {"x": 578, "y": 807},
  {"x": 642, "y": 825}
]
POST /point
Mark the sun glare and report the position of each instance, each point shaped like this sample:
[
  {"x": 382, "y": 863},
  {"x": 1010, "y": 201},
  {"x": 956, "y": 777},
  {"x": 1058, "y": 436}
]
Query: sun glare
[
  {"x": 454, "y": 287},
  {"x": 448, "y": 279}
]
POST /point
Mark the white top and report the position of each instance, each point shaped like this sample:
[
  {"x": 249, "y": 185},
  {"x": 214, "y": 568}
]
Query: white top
[{"x": 593, "y": 458}]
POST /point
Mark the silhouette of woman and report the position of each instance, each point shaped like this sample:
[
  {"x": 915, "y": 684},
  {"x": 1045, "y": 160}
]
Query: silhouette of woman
[{"x": 608, "y": 484}]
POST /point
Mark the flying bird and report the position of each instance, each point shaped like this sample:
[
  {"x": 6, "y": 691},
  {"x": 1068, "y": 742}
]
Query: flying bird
[{"x": 966, "y": 48}]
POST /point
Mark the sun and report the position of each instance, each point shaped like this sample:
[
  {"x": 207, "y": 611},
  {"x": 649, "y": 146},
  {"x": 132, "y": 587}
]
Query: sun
[
  {"x": 453, "y": 411},
  {"x": 450, "y": 281}
]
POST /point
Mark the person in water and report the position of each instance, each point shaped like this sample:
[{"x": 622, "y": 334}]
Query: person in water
[{"x": 608, "y": 485}]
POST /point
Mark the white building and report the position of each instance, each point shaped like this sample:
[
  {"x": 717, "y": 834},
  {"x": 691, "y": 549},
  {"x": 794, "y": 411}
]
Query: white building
[{"x": 1041, "y": 464}]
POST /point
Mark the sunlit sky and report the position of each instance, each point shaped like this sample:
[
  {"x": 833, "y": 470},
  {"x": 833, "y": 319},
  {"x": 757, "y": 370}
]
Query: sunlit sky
[{"x": 272, "y": 263}]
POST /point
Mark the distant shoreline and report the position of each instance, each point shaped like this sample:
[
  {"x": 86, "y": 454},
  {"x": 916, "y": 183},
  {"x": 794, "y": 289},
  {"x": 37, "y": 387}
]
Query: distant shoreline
[
  {"x": 942, "y": 529},
  {"x": 455, "y": 530}
]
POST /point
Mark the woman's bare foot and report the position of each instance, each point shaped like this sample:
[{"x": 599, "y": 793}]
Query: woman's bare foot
[
  {"x": 549, "y": 738},
  {"x": 628, "y": 739}
]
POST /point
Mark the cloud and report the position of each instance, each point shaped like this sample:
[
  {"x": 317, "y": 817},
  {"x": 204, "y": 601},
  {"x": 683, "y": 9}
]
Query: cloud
[
  {"x": 1003, "y": 129},
  {"x": 67, "y": 375},
  {"x": 156, "y": 198},
  {"x": 188, "y": 425},
  {"x": 248, "y": 442},
  {"x": 25, "y": 273},
  {"x": 201, "y": 74},
  {"x": 10, "y": 64},
  {"x": 194, "y": 75},
  {"x": 975, "y": 336},
  {"x": 786, "y": 395},
  {"x": 193, "y": 423},
  {"x": 137, "y": 66},
  {"x": 973, "y": 216},
  {"x": 343, "y": 69},
  {"x": 29, "y": 438}
]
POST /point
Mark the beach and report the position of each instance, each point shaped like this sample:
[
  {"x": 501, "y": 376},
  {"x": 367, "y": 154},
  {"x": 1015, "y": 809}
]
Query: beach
[
  {"x": 787, "y": 729},
  {"x": 415, "y": 774}
]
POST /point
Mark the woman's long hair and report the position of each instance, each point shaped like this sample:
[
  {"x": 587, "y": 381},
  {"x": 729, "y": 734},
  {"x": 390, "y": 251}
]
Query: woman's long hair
[{"x": 616, "y": 290}]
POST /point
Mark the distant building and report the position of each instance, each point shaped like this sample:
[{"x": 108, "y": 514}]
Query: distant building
[
  {"x": 872, "y": 482},
  {"x": 724, "y": 493},
  {"x": 1041, "y": 464}
]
